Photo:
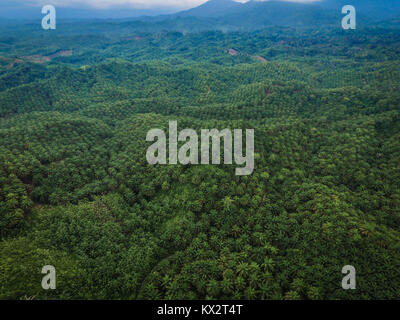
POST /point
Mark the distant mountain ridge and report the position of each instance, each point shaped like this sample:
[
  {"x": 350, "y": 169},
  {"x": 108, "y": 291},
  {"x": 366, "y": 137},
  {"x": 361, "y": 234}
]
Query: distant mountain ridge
[
  {"x": 258, "y": 14},
  {"x": 376, "y": 9},
  {"x": 212, "y": 9},
  {"x": 229, "y": 15},
  {"x": 252, "y": 15}
]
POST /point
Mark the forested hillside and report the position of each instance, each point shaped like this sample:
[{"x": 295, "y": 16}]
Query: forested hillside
[{"x": 77, "y": 192}]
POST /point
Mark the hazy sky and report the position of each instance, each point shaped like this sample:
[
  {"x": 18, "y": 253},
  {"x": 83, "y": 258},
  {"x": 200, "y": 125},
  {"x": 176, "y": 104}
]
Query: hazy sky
[
  {"x": 107, "y": 4},
  {"x": 31, "y": 9}
]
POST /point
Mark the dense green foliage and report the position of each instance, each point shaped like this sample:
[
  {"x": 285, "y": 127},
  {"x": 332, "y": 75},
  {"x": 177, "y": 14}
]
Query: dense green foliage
[{"x": 76, "y": 191}]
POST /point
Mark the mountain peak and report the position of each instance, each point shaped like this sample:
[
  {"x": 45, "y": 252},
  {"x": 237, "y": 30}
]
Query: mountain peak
[{"x": 212, "y": 8}]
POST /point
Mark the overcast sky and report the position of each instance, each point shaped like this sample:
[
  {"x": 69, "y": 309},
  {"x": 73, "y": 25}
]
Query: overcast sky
[
  {"x": 31, "y": 9},
  {"x": 107, "y": 4}
]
